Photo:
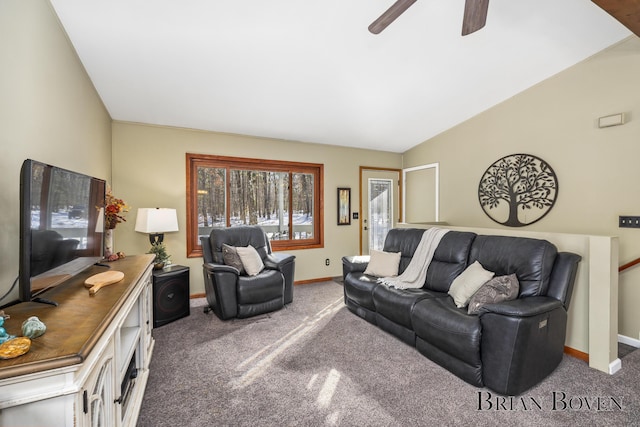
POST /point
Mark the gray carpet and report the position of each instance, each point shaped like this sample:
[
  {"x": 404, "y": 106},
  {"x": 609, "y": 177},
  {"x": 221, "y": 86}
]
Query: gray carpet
[{"x": 315, "y": 363}]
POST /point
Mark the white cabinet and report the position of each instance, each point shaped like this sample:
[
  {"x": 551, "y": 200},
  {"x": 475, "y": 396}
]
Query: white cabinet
[
  {"x": 96, "y": 378},
  {"x": 97, "y": 394}
]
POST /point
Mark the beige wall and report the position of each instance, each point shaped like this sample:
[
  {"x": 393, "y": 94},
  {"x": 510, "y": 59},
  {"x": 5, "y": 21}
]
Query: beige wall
[
  {"x": 49, "y": 111},
  {"x": 556, "y": 120},
  {"x": 149, "y": 171}
]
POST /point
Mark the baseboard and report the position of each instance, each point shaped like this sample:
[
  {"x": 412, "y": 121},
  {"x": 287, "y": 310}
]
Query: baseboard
[
  {"x": 629, "y": 341},
  {"x": 577, "y": 354},
  {"x": 615, "y": 366},
  {"x": 306, "y": 282}
]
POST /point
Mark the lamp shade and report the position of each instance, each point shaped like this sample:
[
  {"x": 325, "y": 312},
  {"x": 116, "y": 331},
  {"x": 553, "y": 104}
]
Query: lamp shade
[{"x": 156, "y": 220}]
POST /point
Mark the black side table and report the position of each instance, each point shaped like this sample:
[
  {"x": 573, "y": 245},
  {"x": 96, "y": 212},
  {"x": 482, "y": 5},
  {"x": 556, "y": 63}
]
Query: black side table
[{"x": 170, "y": 294}]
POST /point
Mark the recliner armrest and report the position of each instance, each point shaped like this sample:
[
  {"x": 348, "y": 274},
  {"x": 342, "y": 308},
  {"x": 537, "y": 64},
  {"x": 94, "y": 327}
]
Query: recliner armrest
[
  {"x": 276, "y": 261},
  {"x": 220, "y": 283},
  {"x": 354, "y": 264},
  {"x": 220, "y": 268},
  {"x": 286, "y": 265},
  {"x": 522, "y": 307}
]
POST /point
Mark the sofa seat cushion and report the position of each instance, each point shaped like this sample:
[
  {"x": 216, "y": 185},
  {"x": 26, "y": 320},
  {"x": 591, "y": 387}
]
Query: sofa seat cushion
[
  {"x": 396, "y": 304},
  {"x": 268, "y": 285},
  {"x": 358, "y": 287},
  {"x": 450, "y": 329}
]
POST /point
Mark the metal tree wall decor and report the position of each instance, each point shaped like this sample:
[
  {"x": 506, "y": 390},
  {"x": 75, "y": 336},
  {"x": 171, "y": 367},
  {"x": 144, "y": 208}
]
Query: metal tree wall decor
[{"x": 518, "y": 190}]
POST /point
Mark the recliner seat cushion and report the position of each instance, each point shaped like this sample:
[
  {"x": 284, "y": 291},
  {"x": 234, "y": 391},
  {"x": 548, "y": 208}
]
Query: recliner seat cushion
[{"x": 256, "y": 289}]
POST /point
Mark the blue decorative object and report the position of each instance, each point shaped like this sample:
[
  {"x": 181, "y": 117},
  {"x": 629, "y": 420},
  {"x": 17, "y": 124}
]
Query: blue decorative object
[
  {"x": 33, "y": 327},
  {"x": 4, "y": 336}
]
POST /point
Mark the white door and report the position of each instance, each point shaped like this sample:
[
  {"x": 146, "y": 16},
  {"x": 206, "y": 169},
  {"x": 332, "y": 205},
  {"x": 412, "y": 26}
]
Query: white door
[
  {"x": 380, "y": 198},
  {"x": 380, "y": 213}
]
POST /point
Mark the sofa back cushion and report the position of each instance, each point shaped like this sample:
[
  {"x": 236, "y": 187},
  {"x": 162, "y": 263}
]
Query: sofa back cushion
[
  {"x": 530, "y": 259},
  {"x": 405, "y": 241},
  {"x": 449, "y": 260}
]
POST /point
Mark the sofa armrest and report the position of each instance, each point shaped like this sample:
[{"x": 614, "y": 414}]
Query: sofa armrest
[
  {"x": 522, "y": 307},
  {"x": 522, "y": 342},
  {"x": 354, "y": 263}
]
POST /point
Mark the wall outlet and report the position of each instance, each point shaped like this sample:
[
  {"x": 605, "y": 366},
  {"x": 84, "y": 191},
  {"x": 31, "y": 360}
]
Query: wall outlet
[
  {"x": 327, "y": 262},
  {"x": 629, "y": 222}
]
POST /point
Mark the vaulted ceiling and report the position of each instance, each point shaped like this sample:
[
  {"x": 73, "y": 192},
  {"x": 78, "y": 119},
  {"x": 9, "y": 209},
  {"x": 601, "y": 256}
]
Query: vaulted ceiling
[{"x": 310, "y": 71}]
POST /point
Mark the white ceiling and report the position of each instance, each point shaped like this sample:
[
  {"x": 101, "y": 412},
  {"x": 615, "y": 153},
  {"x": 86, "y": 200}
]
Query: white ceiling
[{"x": 310, "y": 71}]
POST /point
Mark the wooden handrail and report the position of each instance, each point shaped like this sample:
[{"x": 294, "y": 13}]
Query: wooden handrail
[{"x": 628, "y": 265}]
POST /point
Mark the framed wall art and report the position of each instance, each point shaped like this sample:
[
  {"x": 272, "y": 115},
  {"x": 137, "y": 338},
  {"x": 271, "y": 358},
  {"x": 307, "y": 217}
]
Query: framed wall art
[
  {"x": 518, "y": 190},
  {"x": 344, "y": 206}
]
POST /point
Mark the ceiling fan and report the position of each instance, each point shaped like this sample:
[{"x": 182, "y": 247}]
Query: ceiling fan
[{"x": 475, "y": 15}]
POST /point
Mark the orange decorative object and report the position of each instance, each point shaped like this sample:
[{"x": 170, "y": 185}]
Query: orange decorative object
[{"x": 14, "y": 347}]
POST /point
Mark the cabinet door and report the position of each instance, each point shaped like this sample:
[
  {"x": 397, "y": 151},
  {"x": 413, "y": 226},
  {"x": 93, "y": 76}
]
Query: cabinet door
[
  {"x": 147, "y": 317},
  {"x": 98, "y": 394}
]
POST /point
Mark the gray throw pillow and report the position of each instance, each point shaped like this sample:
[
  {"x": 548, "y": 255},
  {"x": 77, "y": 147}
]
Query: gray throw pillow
[
  {"x": 498, "y": 289},
  {"x": 231, "y": 257}
]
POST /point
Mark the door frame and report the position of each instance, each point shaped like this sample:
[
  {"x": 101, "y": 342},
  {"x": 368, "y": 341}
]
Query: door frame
[{"x": 400, "y": 196}]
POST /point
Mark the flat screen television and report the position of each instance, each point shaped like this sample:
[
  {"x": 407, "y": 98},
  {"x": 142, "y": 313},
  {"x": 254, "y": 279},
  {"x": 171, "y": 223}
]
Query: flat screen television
[{"x": 60, "y": 234}]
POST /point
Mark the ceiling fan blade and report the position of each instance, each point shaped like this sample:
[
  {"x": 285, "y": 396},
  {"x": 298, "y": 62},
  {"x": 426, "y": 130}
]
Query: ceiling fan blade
[
  {"x": 390, "y": 15},
  {"x": 475, "y": 15}
]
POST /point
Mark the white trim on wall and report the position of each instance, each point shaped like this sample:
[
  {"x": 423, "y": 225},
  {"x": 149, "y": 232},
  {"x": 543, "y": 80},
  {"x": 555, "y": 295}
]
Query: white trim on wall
[{"x": 435, "y": 166}]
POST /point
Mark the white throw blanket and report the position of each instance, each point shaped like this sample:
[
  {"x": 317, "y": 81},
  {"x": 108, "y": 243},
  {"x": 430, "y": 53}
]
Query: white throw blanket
[{"x": 416, "y": 273}]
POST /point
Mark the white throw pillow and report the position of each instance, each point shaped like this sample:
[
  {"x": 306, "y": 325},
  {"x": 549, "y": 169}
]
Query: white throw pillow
[
  {"x": 383, "y": 264},
  {"x": 251, "y": 260},
  {"x": 468, "y": 282}
]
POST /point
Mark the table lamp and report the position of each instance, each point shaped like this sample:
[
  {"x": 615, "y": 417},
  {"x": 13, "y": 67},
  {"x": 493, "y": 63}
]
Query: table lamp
[{"x": 155, "y": 222}]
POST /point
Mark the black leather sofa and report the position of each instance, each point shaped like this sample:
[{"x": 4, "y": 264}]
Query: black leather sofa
[{"x": 509, "y": 346}]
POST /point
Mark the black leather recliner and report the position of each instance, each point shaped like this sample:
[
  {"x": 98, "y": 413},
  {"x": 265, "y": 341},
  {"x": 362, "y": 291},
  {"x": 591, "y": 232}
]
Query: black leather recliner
[{"x": 230, "y": 294}]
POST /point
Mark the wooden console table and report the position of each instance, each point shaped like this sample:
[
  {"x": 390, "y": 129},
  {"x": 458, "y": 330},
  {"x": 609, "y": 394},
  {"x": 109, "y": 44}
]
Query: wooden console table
[{"x": 92, "y": 364}]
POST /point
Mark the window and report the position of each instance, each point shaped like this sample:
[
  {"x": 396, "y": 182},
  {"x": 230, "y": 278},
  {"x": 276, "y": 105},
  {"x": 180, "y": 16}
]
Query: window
[{"x": 284, "y": 198}]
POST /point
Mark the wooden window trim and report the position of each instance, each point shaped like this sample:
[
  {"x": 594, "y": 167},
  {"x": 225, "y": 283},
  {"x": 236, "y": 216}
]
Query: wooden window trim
[{"x": 193, "y": 161}]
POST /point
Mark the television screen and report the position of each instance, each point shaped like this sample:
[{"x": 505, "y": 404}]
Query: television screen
[{"x": 60, "y": 234}]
